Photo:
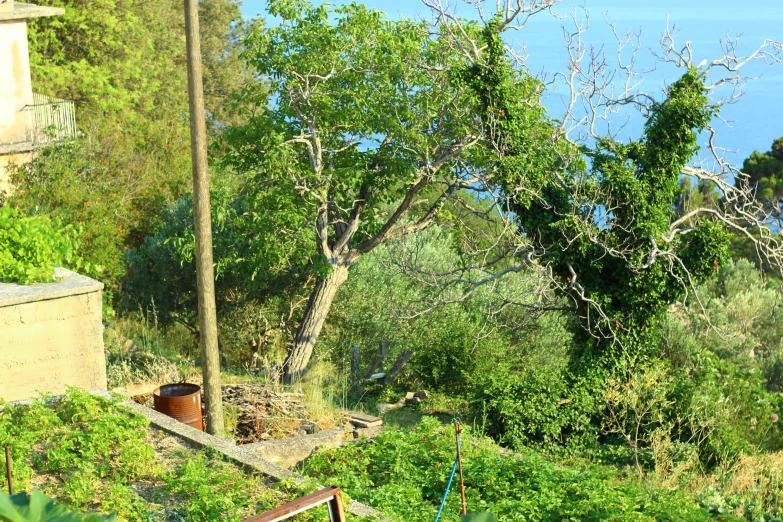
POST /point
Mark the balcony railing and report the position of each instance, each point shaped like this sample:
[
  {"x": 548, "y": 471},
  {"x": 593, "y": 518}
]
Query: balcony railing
[{"x": 50, "y": 119}]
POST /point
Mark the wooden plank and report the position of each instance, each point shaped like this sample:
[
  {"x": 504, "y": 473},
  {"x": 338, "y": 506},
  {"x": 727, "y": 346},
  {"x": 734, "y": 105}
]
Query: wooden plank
[
  {"x": 375, "y": 363},
  {"x": 398, "y": 364},
  {"x": 363, "y": 417},
  {"x": 330, "y": 496},
  {"x": 365, "y": 424}
]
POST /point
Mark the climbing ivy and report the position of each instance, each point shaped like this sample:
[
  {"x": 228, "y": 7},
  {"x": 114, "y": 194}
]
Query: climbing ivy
[{"x": 599, "y": 211}]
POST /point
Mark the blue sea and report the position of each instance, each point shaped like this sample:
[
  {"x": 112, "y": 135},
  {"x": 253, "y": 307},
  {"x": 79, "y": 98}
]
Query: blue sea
[{"x": 751, "y": 124}]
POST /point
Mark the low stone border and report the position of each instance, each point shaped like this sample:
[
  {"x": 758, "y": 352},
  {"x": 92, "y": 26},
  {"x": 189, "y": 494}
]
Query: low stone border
[{"x": 291, "y": 451}]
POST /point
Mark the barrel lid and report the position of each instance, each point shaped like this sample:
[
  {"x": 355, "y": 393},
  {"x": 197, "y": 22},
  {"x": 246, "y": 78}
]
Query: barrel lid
[{"x": 180, "y": 389}]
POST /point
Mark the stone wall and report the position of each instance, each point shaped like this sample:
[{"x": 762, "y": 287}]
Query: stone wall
[
  {"x": 289, "y": 452},
  {"x": 51, "y": 336},
  {"x": 7, "y": 161}
]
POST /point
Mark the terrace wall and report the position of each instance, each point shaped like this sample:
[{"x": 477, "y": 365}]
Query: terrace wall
[{"x": 51, "y": 337}]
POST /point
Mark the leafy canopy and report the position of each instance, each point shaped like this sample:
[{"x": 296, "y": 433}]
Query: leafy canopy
[
  {"x": 766, "y": 173},
  {"x": 368, "y": 134},
  {"x": 128, "y": 57}
]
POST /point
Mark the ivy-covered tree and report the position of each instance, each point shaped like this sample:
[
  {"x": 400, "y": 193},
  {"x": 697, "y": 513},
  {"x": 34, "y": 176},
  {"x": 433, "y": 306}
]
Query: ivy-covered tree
[
  {"x": 629, "y": 266},
  {"x": 606, "y": 219}
]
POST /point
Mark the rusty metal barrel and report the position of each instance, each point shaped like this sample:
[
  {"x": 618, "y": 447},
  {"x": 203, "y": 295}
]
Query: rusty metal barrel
[{"x": 180, "y": 401}]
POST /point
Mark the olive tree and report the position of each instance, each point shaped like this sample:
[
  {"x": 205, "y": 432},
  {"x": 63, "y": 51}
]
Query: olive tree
[{"x": 369, "y": 128}]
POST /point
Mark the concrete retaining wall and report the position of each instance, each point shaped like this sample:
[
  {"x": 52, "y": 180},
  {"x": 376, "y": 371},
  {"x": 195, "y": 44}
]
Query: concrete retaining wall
[
  {"x": 51, "y": 336},
  {"x": 287, "y": 453}
]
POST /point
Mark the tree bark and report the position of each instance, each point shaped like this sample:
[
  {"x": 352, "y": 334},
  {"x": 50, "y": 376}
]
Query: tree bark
[{"x": 315, "y": 314}]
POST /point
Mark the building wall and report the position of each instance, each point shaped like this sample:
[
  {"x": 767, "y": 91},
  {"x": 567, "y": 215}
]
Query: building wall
[
  {"x": 17, "y": 158},
  {"x": 50, "y": 343},
  {"x": 15, "y": 88}
]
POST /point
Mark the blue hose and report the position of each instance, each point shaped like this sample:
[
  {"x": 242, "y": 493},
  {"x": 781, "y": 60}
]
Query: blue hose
[{"x": 448, "y": 487}]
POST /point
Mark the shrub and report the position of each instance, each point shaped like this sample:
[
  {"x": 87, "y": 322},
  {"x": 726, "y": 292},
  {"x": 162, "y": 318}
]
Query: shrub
[
  {"x": 252, "y": 308},
  {"x": 543, "y": 406},
  {"x": 30, "y": 247},
  {"x": 111, "y": 184}
]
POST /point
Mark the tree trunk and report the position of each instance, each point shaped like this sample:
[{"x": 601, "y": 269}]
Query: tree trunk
[{"x": 315, "y": 314}]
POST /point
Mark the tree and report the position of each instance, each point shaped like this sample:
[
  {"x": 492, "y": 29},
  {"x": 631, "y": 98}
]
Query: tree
[
  {"x": 602, "y": 221},
  {"x": 765, "y": 172},
  {"x": 375, "y": 126},
  {"x": 370, "y": 133},
  {"x": 123, "y": 62},
  {"x": 128, "y": 57},
  {"x": 600, "y": 229}
]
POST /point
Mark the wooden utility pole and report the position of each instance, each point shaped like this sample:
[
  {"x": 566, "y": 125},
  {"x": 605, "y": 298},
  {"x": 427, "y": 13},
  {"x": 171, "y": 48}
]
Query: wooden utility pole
[{"x": 205, "y": 277}]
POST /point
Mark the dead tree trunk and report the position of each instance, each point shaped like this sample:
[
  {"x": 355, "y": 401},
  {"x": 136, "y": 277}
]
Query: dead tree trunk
[{"x": 315, "y": 314}]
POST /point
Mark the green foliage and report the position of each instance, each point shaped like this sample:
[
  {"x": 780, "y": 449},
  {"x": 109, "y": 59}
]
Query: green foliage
[
  {"x": 766, "y": 173},
  {"x": 255, "y": 290},
  {"x": 111, "y": 185},
  {"x": 600, "y": 225},
  {"x": 92, "y": 453},
  {"x": 31, "y": 246},
  {"x": 543, "y": 406},
  {"x": 478, "y": 517},
  {"x": 214, "y": 490},
  {"x": 712, "y": 398},
  {"x": 109, "y": 57},
  {"x": 126, "y": 57},
  {"x": 123, "y": 62},
  {"x": 351, "y": 106},
  {"x": 732, "y": 359},
  {"x": 634, "y": 185},
  {"x": 404, "y": 474},
  {"x": 342, "y": 163},
  {"x": 36, "y": 507},
  {"x": 456, "y": 347},
  {"x": 639, "y": 182},
  {"x": 94, "y": 446}
]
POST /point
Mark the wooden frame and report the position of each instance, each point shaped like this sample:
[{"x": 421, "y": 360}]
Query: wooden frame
[{"x": 329, "y": 496}]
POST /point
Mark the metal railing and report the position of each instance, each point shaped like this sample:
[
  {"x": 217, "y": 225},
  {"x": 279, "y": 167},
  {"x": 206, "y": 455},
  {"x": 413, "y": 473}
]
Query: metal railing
[{"x": 50, "y": 119}]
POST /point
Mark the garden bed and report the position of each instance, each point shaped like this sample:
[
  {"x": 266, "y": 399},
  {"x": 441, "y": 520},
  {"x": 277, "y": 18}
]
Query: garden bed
[
  {"x": 94, "y": 454},
  {"x": 404, "y": 473}
]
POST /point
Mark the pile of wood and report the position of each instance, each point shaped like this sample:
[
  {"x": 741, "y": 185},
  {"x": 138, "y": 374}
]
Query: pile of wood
[
  {"x": 263, "y": 414},
  {"x": 410, "y": 399}
]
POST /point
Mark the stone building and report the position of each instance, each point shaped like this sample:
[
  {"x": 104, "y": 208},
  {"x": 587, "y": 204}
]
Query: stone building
[{"x": 28, "y": 120}]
